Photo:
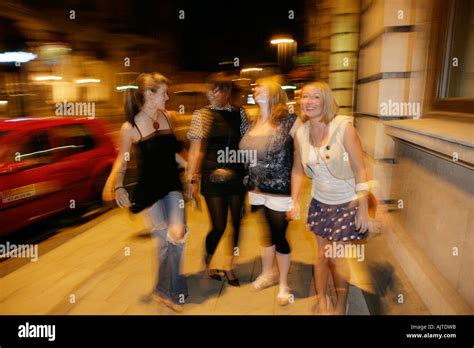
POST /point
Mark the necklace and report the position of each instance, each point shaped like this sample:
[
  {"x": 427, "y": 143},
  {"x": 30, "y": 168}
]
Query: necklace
[
  {"x": 156, "y": 124},
  {"x": 320, "y": 138}
]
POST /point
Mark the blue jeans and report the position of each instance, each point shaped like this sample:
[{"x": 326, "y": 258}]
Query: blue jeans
[{"x": 167, "y": 212}]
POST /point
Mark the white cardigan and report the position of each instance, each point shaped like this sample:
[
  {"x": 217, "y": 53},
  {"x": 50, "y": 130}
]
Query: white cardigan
[{"x": 334, "y": 153}]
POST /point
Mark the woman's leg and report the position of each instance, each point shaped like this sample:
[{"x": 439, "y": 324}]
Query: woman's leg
[
  {"x": 278, "y": 225},
  {"x": 320, "y": 277},
  {"x": 235, "y": 203},
  {"x": 340, "y": 271},
  {"x": 217, "y": 207},
  {"x": 171, "y": 282}
]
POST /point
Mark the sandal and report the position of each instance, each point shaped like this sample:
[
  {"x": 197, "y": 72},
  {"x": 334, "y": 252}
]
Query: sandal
[
  {"x": 262, "y": 282},
  {"x": 285, "y": 297},
  {"x": 168, "y": 303},
  {"x": 329, "y": 307}
]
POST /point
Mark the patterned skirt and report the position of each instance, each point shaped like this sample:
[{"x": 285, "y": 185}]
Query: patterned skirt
[{"x": 334, "y": 222}]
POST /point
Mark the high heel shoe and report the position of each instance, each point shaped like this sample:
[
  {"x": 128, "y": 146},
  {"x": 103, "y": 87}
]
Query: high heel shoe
[
  {"x": 212, "y": 273},
  {"x": 232, "y": 281}
]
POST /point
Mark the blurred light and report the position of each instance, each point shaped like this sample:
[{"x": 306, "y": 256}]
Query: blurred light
[
  {"x": 250, "y": 99},
  {"x": 251, "y": 69},
  {"x": 23, "y": 119},
  {"x": 48, "y": 78},
  {"x": 88, "y": 81},
  {"x": 290, "y": 103},
  {"x": 123, "y": 88},
  {"x": 3, "y": 102},
  {"x": 242, "y": 79},
  {"x": 278, "y": 41},
  {"x": 13, "y": 57},
  {"x": 226, "y": 63},
  {"x": 288, "y": 87}
]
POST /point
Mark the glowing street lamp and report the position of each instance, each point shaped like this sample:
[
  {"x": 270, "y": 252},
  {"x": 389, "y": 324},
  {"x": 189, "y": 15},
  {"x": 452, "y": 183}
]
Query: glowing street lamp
[{"x": 286, "y": 49}]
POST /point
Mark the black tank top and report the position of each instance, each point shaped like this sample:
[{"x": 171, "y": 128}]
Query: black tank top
[{"x": 157, "y": 169}]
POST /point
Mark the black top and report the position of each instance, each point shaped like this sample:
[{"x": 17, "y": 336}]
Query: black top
[
  {"x": 157, "y": 169},
  {"x": 224, "y": 133}
]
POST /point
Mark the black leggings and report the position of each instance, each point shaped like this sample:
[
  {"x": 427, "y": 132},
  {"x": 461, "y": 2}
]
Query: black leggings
[
  {"x": 218, "y": 207},
  {"x": 278, "y": 223}
]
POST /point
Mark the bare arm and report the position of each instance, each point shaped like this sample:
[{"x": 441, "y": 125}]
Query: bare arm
[
  {"x": 119, "y": 168},
  {"x": 295, "y": 127},
  {"x": 194, "y": 159},
  {"x": 356, "y": 156},
  {"x": 297, "y": 173}
]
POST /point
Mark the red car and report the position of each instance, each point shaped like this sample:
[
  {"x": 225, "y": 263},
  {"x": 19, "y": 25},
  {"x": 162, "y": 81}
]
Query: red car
[{"x": 48, "y": 165}]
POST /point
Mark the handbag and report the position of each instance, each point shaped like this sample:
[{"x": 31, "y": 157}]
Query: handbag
[{"x": 222, "y": 175}]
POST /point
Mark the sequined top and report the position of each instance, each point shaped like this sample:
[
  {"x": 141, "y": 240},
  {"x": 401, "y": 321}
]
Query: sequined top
[{"x": 272, "y": 174}]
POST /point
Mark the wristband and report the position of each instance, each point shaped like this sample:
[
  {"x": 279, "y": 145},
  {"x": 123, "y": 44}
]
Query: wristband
[
  {"x": 119, "y": 187},
  {"x": 363, "y": 186}
]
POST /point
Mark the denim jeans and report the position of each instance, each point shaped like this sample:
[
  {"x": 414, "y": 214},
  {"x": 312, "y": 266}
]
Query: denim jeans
[{"x": 171, "y": 283}]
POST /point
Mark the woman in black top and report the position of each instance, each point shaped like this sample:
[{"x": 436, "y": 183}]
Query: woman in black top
[
  {"x": 215, "y": 132},
  {"x": 158, "y": 192}
]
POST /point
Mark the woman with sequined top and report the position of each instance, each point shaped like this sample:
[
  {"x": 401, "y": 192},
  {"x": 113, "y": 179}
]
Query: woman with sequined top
[{"x": 269, "y": 179}]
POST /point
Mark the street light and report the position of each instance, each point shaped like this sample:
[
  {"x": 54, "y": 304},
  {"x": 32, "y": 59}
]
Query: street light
[
  {"x": 278, "y": 41},
  {"x": 286, "y": 49}
]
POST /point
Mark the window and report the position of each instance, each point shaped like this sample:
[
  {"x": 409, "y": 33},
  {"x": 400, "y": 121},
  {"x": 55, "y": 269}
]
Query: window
[
  {"x": 458, "y": 69},
  {"x": 450, "y": 82},
  {"x": 35, "y": 149},
  {"x": 70, "y": 140}
]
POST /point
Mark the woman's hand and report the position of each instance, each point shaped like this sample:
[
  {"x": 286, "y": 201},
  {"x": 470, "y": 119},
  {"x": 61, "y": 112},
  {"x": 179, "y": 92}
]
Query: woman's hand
[
  {"x": 121, "y": 197},
  {"x": 294, "y": 212},
  {"x": 191, "y": 190},
  {"x": 362, "y": 216}
]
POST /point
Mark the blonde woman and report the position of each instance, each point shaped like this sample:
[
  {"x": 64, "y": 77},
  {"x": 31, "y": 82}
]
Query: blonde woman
[
  {"x": 271, "y": 136},
  {"x": 328, "y": 150}
]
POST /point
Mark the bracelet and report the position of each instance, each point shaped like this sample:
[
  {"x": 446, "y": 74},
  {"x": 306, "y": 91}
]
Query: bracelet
[
  {"x": 363, "y": 186},
  {"x": 119, "y": 187}
]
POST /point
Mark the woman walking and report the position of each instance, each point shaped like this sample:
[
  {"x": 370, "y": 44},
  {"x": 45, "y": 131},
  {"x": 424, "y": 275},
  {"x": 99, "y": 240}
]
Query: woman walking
[
  {"x": 216, "y": 130},
  {"x": 328, "y": 150},
  {"x": 269, "y": 179},
  {"x": 158, "y": 192}
]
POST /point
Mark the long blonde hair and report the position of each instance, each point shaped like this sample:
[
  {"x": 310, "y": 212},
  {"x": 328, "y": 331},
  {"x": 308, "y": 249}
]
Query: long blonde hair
[
  {"x": 278, "y": 99},
  {"x": 330, "y": 105},
  {"x": 135, "y": 98}
]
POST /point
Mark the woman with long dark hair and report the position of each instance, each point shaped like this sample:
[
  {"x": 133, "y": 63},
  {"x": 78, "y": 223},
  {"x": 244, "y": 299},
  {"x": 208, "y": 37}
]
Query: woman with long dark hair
[{"x": 158, "y": 192}]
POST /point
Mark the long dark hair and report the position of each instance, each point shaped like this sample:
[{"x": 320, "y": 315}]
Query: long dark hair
[{"x": 135, "y": 98}]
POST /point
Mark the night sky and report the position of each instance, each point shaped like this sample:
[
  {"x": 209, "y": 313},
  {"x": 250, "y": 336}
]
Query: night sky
[
  {"x": 221, "y": 30},
  {"x": 212, "y": 30}
]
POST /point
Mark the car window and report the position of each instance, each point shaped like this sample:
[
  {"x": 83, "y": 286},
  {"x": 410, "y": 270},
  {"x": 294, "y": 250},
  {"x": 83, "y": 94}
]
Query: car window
[
  {"x": 70, "y": 140},
  {"x": 34, "y": 148}
]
